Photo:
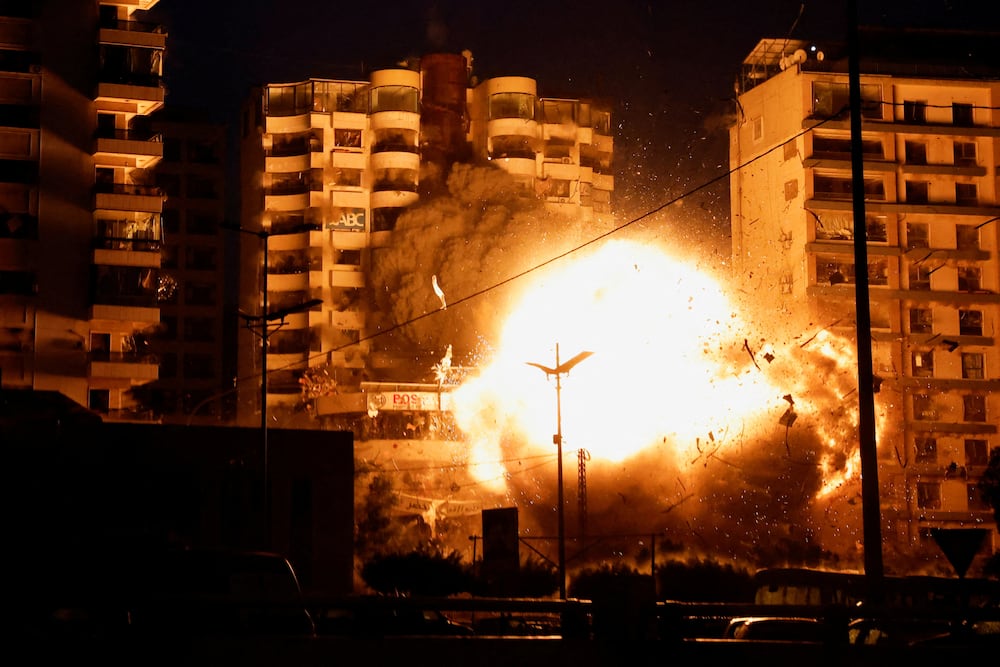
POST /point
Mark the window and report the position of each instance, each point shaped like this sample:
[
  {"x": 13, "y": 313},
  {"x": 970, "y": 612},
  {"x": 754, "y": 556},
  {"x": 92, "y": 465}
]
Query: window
[
  {"x": 916, "y": 192},
  {"x": 914, "y": 112},
  {"x": 925, "y": 449},
  {"x": 920, "y": 277},
  {"x": 99, "y": 400},
  {"x": 199, "y": 365},
  {"x": 199, "y": 294},
  {"x": 832, "y": 100},
  {"x": 395, "y": 98},
  {"x": 349, "y": 257},
  {"x": 512, "y": 105},
  {"x": 875, "y": 229},
  {"x": 757, "y": 128},
  {"x": 922, "y": 364},
  {"x": 965, "y": 153},
  {"x": 842, "y": 187},
  {"x": 200, "y": 222},
  {"x": 917, "y": 235},
  {"x": 974, "y": 408},
  {"x": 977, "y": 452},
  {"x": 970, "y": 322},
  {"x": 929, "y": 495},
  {"x": 20, "y": 283},
  {"x": 791, "y": 150},
  {"x": 201, "y": 187},
  {"x": 966, "y": 194},
  {"x": 199, "y": 329},
  {"x": 916, "y": 152},
  {"x": 200, "y": 258},
  {"x": 923, "y": 408},
  {"x": 977, "y": 499},
  {"x": 966, "y": 237},
  {"x": 921, "y": 320},
  {"x": 972, "y": 365},
  {"x": 961, "y": 114},
  {"x": 791, "y": 189},
  {"x": 347, "y": 140},
  {"x": 344, "y": 177},
  {"x": 969, "y": 278}
]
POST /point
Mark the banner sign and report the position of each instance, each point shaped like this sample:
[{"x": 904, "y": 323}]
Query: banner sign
[{"x": 347, "y": 220}]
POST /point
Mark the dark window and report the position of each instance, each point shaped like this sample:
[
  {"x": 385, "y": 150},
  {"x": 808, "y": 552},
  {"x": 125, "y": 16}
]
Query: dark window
[
  {"x": 970, "y": 322},
  {"x": 199, "y": 329},
  {"x": 921, "y": 320},
  {"x": 925, "y": 449},
  {"x": 969, "y": 278},
  {"x": 928, "y": 495},
  {"x": 966, "y": 194},
  {"x": 916, "y": 235},
  {"x": 916, "y": 152},
  {"x": 966, "y": 237},
  {"x": 199, "y": 294},
  {"x": 914, "y": 112},
  {"x": 199, "y": 365},
  {"x": 916, "y": 192},
  {"x": 961, "y": 114},
  {"x": 974, "y": 408},
  {"x": 17, "y": 282},
  {"x": 977, "y": 452}
]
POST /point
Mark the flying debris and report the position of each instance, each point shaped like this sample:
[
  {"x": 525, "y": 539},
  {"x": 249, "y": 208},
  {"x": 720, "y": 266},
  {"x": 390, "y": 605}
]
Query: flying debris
[{"x": 439, "y": 292}]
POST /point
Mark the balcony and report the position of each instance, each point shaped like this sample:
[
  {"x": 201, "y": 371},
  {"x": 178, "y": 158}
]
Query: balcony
[
  {"x": 125, "y": 197},
  {"x": 132, "y": 33},
  {"x": 123, "y": 365},
  {"x": 130, "y": 148}
]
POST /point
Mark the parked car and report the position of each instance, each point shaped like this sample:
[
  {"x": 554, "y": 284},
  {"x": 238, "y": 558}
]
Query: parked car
[
  {"x": 176, "y": 593},
  {"x": 777, "y": 628}
]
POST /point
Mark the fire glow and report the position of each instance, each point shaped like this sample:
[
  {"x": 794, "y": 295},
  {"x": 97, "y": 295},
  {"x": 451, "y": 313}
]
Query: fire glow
[{"x": 673, "y": 363}]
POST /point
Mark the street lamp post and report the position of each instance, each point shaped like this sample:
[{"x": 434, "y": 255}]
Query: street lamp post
[
  {"x": 559, "y": 371},
  {"x": 263, "y": 325}
]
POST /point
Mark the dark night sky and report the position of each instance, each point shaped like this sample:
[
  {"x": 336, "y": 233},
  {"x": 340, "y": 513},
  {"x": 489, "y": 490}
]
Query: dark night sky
[{"x": 667, "y": 65}]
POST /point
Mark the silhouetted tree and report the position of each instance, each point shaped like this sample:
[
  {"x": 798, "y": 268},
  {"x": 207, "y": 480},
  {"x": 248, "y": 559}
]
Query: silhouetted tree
[
  {"x": 704, "y": 581},
  {"x": 429, "y": 573}
]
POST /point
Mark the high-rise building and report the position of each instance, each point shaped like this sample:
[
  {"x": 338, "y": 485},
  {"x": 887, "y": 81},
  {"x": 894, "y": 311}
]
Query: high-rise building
[
  {"x": 328, "y": 166},
  {"x": 930, "y": 148},
  {"x": 80, "y": 227},
  {"x": 195, "y": 343}
]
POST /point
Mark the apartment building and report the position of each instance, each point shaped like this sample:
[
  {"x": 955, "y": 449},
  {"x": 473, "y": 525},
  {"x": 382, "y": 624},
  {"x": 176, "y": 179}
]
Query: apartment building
[
  {"x": 81, "y": 232},
  {"x": 328, "y": 166},
  {"x": 930, "y": 137},
  {"x": 195, "y": 343}
]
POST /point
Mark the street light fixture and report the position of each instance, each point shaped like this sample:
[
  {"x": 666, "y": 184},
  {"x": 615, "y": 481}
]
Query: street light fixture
[{"x": 560, "y": 370}]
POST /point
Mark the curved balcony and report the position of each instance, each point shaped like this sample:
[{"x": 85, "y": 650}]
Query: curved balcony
[
  {"x": 400, "y": 120},
  {"x": 295, "y": 241},
  {"x": 287, "y": 202},
  {"x": 288, "y": 163},
  {"x": 285, "y": 124},
  {"x": 394, "y": 198},
  {"x": 513, "y": 126},
  {"x": 395, "y": 160},
  {"x": 286, "y": 360},
  {"x": 288, "y": 282}
]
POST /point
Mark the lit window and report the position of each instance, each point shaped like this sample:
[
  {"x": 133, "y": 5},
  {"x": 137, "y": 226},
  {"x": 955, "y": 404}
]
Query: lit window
[
  {"x": 972, "y": 365},
  {"x": 922, "y": 364}
]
